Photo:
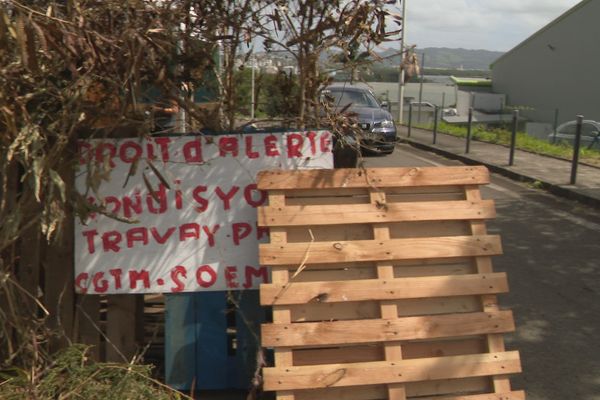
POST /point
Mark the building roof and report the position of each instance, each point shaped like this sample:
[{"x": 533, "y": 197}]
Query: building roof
[
  {"x": 542, "y": 30},
  {"x": 479, "y": 82}
]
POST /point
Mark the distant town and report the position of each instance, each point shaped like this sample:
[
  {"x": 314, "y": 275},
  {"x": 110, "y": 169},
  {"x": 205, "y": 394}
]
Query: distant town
[{"x": 438, "y": 61}]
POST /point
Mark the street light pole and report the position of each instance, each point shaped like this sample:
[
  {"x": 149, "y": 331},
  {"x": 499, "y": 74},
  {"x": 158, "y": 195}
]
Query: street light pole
[{"x": 400, "y": 69}]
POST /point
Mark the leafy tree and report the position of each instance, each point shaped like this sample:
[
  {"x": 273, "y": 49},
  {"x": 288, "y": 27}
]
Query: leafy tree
[{"x": 281, "y": 95}]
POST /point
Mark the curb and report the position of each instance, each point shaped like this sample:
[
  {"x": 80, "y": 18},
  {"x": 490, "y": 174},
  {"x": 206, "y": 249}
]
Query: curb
[{"x": 549, "y": 187}]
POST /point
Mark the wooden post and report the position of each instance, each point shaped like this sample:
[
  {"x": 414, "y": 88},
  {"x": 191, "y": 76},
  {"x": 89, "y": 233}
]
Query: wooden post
[
  {"x": 87, "y": 323},
  {"x": 121, "y": 327},
  {"x": 59, "y": 294},
  {"x": 8, "y": 256},
  {"x": 28, "y": 273}
]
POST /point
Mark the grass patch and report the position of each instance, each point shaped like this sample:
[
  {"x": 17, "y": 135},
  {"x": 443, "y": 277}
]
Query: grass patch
[{"x": 524, "y": 141}]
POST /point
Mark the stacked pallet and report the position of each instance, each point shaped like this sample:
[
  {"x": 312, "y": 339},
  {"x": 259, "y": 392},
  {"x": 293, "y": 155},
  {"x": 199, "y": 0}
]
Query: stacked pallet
[{"x": 382, "y": 286}]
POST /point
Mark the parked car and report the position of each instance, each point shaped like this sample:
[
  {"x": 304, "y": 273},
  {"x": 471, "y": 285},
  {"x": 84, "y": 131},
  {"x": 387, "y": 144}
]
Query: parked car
[
  {"x": 590, "y": 133},
  {"x": 374, "y": 119}
]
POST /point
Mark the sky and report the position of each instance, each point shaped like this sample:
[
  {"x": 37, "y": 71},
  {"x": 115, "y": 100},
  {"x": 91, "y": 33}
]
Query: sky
[{"x": 478, "y": 24}]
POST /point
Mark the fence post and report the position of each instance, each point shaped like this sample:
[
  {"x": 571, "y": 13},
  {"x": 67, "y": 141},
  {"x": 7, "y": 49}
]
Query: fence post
[
  {"x": 555, "y": 126},
  {"x": 469, "y": 127},
  {"x": 513, "y": 137},
  {"x": 421, "y": 88},
  {"x": 576, "y": 146},
  {"x": 435, "y": 123},
  {"x": 410, "y": 106}
]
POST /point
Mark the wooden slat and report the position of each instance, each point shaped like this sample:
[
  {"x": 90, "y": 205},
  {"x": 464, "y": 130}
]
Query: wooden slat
[
  {"x": 372, "y": 177},
  {"x": 518, "y": 395},
  {"x": 339, "y": 274},
  {"x": 426, "y": 192},
  {"x": 281, "y": 315},
  {"x": 372, "y": 392},
  {"x": 400, "y": 230},
  {"x": 377, "y": 250},
  {"x": 489, "y": 302},
  {"x": 385, "y": 372},
  {"x": 375, "y": 213},
  {"x": 369, "y": 309},
  {"x": 402, "y": 268},
  {"x": 388, "y": 309},
  {"x": 352, "y": 354},
  {"x": 413, "y": 389},
  {"x": 338, "y": 311},
  {"x": 327, "y": 233},
  {"x": 381, "y": 289},
  {"x": 378, "y": 330}
]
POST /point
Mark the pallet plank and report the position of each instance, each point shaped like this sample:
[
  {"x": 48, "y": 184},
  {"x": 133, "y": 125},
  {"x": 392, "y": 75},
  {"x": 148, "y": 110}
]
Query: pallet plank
[
  {"x": 378, "y": 330},
  {"x": 388, "y": 309},
  {"x": 377, "y": 250},
  {"x": 382, "y": 289},
  {"x": 517, "y": 395},
  {"x": 386, "y": 372},
  {"x": 375, "y": 213},
  {"x": 413, "y": 389},
  {"x": 372, "y": 177},
  {"x": 369, "y": 309},
  {"x": 281, "y": 315},
  {"x": 489, "y": 302},
  {"x": 353, "y": 354}
]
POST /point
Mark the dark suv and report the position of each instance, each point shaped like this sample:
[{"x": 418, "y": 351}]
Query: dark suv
[{"x": 376, "y": 122}]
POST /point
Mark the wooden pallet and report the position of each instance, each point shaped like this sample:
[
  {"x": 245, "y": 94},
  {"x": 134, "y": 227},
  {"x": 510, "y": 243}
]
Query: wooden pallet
[{"x": 382, "y": 286}]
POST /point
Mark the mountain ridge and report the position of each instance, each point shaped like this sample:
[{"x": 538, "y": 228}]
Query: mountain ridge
[{"x": 445, "y": 57}]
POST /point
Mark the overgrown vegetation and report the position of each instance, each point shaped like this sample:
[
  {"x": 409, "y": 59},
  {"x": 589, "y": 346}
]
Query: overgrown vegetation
[
  {"x": 72, "y": 375},
  {"x": 81, "y": 68},
  {"x": 502, "y": 135}
]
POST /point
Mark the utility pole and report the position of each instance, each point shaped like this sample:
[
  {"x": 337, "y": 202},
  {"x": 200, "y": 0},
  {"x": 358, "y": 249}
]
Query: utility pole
[
  {"x": 252, "y": 100},
  {"x": 400, "y": 69}
]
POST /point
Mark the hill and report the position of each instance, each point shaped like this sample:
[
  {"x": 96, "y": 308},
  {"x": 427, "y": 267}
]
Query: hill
[{"x": 442, "y": 57}]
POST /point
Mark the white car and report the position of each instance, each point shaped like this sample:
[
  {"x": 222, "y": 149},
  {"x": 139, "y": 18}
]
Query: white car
[{"x": 590, "y": 133}]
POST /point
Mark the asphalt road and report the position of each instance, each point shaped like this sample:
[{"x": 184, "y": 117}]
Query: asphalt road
[{"x": 551, "y": 254}]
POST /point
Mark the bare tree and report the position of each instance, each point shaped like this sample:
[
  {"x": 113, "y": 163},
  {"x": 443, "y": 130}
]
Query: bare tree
[
  {"x": 84, "y": 68},
  {"x": 306, "y": 29}
]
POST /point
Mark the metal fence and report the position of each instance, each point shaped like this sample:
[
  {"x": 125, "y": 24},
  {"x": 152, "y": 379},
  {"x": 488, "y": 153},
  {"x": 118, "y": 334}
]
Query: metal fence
[{"x": 577, "y": 136}]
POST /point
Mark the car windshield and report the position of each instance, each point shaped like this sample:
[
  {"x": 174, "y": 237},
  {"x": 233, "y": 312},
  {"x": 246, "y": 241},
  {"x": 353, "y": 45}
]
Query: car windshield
[{"x": 358, "y": 98}]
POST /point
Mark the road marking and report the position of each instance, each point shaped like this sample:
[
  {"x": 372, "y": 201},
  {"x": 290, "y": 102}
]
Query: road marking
[{"x": 509, "y": 193}]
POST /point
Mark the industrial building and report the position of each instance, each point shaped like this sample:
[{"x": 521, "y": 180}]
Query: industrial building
[{"x": 557, "y": 68}]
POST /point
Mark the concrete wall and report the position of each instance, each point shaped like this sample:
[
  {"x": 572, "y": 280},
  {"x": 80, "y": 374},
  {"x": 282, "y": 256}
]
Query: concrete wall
[
  {"x": 488, "y": 102},
  {"x": 558, "y": 67}
]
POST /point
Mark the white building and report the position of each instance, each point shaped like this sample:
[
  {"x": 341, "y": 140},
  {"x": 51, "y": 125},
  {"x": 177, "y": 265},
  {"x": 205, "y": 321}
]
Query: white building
[{"x": 557, "y": 67}]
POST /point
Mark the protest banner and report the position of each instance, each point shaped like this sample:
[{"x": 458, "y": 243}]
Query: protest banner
[{"x": 177, "y": 214}]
